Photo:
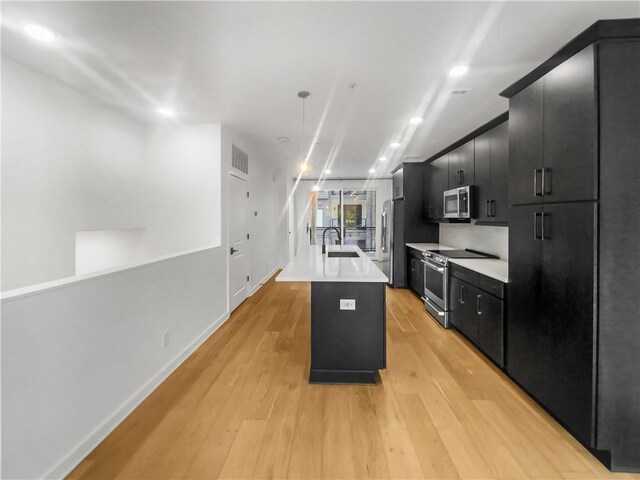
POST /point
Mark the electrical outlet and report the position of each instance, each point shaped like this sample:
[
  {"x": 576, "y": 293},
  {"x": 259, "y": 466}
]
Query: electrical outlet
[
  {"x": 347, "y": 304},
  {"x": 165, "y": 339}
]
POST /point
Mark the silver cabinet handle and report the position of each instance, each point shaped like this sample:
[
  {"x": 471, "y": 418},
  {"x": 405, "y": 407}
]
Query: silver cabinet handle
[
  {"x": 478, "y": 304},
  {"x": 488, "y": 212},
  {"x": 543, "y": 236},
  {"x": 460, "y": 296},
  {"x": 546, "y": 184},
  {"x": 535, "y": 226},
  {"x": 492, "y": 204}
]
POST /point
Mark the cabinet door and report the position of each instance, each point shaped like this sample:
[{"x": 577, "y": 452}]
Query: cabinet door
[
  {"x": 416, "y": 278},
  {"x": 570, "y": 130},
  {"x": 483, "y": 195},
  {"x": 565, "y": 326},
  {"x": 491, "y": 327},
  {"x": 436, "y": 182},
  {"x": 525, "y": 342},
  {"x": 525, "y": 145},
  {"x": 397, "y": 181},
  {"x": 463, "y": 307},
  {"x": 499, "y": 206},
  {"x": 461, "y": 165}
]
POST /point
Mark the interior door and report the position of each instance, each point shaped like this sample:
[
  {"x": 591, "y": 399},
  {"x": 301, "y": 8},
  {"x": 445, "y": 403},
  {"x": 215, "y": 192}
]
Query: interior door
[{"x": 238, "y": 242}]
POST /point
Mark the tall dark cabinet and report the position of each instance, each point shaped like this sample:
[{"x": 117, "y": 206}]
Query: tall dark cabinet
[
  {"x": 573, "y": 336},
  {"x": 410, "y": 224}
]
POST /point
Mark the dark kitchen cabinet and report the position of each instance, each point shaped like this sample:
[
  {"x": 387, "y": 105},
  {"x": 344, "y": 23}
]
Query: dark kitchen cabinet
[
  {"x": 416, "y": 275},
  {"x": 491, "y": 326},
  {"x": 463, "y": 308},
  {"x": 574, "y": 269},
  {"x": 436, "y": 181},
  {"x": 551, "y": 315},
  {"x": 491, "y": 175},
  {"x": 461, "y": 165},
  {"x": 553, "y": 133},
  {"x": 476, "y": 309},
  {"x": 525, "y": 145}
]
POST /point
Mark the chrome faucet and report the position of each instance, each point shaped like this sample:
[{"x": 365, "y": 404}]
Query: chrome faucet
[{"x": 324, "y": 248}]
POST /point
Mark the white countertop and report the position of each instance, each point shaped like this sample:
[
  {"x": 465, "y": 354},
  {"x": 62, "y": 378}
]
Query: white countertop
[
  {"x": 311, "y": 266},
  {"x": 494, "y": 268}
]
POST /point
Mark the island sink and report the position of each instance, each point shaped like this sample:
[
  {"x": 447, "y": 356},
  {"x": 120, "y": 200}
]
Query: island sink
[{"x": 343, "y": 254}]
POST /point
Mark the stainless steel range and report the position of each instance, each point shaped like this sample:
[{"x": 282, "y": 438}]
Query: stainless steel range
[{"x": 436, "y": 280}]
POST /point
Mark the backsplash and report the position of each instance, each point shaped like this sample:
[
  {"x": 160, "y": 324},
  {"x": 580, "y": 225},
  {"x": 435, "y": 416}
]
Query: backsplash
[{"x": 494, "y": 240}]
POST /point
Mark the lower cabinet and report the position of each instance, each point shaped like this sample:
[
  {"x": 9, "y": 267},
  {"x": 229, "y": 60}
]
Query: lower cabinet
[
  {"x": 415, "y": 272},
  {"x": 477, "y": 314}
]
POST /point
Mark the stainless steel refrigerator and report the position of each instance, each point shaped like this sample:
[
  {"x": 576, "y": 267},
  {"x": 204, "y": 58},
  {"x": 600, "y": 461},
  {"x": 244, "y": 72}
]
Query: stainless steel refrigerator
[{"x": 393, "y": 257}]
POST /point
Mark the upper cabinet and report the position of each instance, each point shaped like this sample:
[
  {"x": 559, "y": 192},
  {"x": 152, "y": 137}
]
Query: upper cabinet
[
  {"x": 552, "y": 135},
  {"x": 481, "y": 159},
  {"x": 491, "y": 172},
  {"x": 436, "y": 181},
  {"x": 461, "y": 165},
  {"x": 398, "y": 183}
]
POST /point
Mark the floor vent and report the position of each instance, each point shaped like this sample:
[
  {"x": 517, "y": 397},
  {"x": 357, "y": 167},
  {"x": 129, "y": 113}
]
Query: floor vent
[{"x": 239, "y": 159}]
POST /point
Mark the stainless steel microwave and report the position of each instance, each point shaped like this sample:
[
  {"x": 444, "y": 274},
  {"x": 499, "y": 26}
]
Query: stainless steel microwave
[{"x": 458, "y": 202}]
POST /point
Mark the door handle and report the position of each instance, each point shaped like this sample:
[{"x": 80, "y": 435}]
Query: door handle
[
  {"x": 461, "y": 298},
  {"x": 535, "y": 225},
  {"x": 478, "y": 304},
  {"x": 233, "y": 250},
  {"x": 546, "y": 184},
  {"x": 535, "y": 183}
]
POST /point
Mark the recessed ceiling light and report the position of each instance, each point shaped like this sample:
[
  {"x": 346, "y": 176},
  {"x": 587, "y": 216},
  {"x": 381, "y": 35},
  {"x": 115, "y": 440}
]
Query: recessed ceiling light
[
  {"x": 383, "y": 159},
  {"x": 395, "y": 145},
  {"x": 283, "y": 139},
  {"x": 415, "y": 120},
  {"x": 316, "y": 187},
  {"x": 327, "y": 171},
  {"x": 165, "y": 112},
  {"x": 458, "y": 71},
  {"x": 40, "y": 33},
  {"x": 372, "y": 170}
]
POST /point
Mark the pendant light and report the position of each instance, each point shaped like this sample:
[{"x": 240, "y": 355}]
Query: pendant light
[{"x": 303, "y": 167}]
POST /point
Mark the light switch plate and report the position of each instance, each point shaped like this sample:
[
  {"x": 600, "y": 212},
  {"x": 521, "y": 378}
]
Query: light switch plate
[{"x": 347, "y": 304}]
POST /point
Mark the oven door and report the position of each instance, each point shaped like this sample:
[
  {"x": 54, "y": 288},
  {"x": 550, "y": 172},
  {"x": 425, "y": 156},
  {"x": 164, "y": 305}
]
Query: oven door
[
  {"x": 434, "y": 283},
  {"x": 451, "y": 202}
]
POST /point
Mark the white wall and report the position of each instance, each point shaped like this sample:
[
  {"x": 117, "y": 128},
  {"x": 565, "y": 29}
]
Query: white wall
[
  {"x": 79, "y": 354},
  {"x": 268, "y": 197},
  {"x": 105, "y": 249},
  {"x": 72, "y": 164},
  {"x": 68, "y": 164},
  {"x": 300, "y": 200},
  {"x": 76, "y": 359},
  {"x": 183, "y": 187},
  {"x": 494, "y": 240}
]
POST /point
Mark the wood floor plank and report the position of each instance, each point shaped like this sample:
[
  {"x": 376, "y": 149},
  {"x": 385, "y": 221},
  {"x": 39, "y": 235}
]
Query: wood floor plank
[{"x": 241, "y": 407}]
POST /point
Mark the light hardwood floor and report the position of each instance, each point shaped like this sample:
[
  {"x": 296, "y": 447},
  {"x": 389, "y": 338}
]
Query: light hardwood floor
[{"x": 241, "y": 407}]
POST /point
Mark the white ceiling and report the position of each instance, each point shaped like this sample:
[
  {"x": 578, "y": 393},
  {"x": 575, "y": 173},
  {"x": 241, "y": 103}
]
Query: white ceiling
[{"x": 242, "y": 63}]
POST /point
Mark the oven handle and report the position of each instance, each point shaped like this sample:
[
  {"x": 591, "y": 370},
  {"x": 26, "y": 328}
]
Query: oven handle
[
  {"x": 433, "y": 267},
  {"x": 434, "y": 306}
]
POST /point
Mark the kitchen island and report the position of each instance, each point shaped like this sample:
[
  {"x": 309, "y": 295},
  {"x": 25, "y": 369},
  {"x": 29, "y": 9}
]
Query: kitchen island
[{"x": 348, "y": 312}]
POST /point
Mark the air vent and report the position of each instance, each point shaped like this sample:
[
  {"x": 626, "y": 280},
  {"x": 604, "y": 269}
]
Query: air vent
[
  {"x": 460, "y": 91},
  {"x": 239, "y": 159}
]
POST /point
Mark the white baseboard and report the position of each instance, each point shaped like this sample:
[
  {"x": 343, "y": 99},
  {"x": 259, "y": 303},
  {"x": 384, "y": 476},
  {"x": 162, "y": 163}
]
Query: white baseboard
[
  {"x": 71, "y": 461},
  {"x": 266, "y": 278}
]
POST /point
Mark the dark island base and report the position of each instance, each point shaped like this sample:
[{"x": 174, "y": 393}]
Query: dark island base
[
  {"x": 347, "y": 346},
  {"x": 340, "y": 377}
]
